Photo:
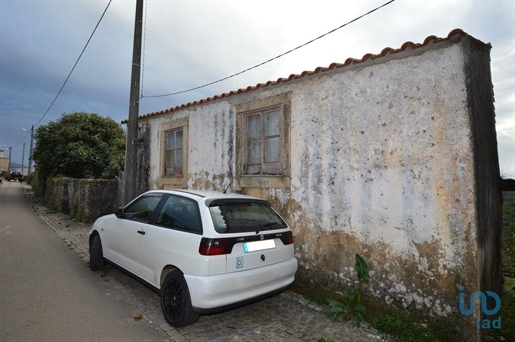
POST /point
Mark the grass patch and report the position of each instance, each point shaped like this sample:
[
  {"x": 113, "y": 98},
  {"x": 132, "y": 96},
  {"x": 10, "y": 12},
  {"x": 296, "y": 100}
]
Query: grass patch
[
  {"x": 507, "y": 331},
  {"x": 508, "y": 231},
  {"x": 405, "y": 326},
  {"x": 402, "y": 324},
  {"x": 321, "y": 339},
  {"x": 42, "y": 201}
]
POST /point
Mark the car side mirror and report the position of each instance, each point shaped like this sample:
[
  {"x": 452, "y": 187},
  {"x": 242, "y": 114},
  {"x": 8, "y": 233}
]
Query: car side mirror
[{"x": 119, "y": 212}]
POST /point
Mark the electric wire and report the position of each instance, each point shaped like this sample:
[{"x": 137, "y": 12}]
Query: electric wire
[
  {"x": 69, "y": 75},
  {"x": 273, "y": 58}
]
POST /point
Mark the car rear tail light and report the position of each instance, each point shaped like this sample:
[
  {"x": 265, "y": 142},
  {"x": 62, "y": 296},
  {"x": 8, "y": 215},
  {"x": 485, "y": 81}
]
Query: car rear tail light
[
  {"x": 288, "y": 238},
  {"x": 213, "y": 246}
]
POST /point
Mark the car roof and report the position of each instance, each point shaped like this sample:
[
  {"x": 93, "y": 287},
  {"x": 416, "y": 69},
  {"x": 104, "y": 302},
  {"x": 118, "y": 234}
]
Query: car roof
[{"x": 206, "y": 194}]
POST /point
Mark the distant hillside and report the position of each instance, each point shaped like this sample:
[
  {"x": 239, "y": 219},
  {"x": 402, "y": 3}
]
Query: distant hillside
[{"x": 16, "y": 165}]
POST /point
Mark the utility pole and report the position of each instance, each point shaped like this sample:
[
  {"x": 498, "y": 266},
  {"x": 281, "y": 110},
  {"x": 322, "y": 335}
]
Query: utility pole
[
  {"x": 22, "y": 159},
  {"x": 9, "y": 165},
  {"x": 130, "y": 183},
  {"x": 30, "y": 150}
]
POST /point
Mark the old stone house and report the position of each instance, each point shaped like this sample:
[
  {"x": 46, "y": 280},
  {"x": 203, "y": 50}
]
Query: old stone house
[
  {"x": 4, "y": 163},
  {"x": 393, "y": 156}
]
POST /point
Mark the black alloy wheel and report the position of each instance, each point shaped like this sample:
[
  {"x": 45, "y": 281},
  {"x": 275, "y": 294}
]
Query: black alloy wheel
[{"x": 176, "y": 302}]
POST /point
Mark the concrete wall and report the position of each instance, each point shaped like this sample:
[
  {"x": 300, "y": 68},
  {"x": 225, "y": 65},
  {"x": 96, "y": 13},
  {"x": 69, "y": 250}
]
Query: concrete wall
[
  {"x": 82, "y": 199},
  {"x": 390, "y": 157}
]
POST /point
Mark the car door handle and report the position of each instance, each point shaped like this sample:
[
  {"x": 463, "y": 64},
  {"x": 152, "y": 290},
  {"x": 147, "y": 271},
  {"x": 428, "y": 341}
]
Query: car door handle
[{"x": 142, "y": 232}]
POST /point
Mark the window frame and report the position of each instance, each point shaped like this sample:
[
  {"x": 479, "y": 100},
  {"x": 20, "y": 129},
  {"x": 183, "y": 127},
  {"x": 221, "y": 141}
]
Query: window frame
[
  {"x": 264, "y": 168},
  {"x": 256, "y": 185},
  {"x": 136, "y": 216},
  {"x": 225, "y": 223},
  {"x": 173, "y": 181},
  {"x": 175, "y": 149},
  {"x": 178, "y": 200}
]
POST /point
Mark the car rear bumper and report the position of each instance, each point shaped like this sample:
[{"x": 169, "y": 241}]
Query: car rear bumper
[{"x": 219, "y": 292}]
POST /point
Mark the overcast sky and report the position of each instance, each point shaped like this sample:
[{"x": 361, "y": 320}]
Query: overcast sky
[{"x": 191, "y": 43}]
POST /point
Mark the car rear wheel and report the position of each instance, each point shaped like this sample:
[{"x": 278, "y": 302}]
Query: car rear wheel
[
  {"x": 96, "y": 256},
  {"x": 176, "y": 302}
]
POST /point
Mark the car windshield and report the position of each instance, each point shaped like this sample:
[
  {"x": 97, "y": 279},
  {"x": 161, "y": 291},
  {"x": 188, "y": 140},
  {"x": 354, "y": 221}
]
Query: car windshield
[{"x": 241, "y": 217}]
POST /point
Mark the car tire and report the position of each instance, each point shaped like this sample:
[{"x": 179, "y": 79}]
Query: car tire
[
  {"x": 176, "y": 301},
  {"x": 96, "y": 256}
]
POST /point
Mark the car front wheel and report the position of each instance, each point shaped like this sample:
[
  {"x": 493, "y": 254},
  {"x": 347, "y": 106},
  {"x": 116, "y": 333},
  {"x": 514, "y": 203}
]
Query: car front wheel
[
  {"x": 176, "y": 302},
  {"x": 96, "y": 256}
]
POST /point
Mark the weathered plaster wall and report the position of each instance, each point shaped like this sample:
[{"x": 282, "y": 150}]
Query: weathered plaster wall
[
  {"x": 383, "y": 164},
  {"x": 386, "y": 169},
  {"x": 210, "y": 140}
]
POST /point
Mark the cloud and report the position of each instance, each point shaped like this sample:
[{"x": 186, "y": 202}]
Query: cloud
[{"x": 190, "y": 43}]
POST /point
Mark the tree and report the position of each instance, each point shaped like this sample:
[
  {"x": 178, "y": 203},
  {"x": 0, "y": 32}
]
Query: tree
[{"x": 80, "y": 145}]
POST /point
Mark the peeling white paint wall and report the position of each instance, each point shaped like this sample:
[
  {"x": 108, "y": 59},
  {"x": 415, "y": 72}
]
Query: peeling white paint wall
[
  {"x": 384, "y": 153},
  {"x": 211, "y": 128}
]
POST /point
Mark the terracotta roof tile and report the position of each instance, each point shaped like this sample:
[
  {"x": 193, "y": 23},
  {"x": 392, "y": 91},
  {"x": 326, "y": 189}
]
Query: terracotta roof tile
[{"x": 350, "y": 61}]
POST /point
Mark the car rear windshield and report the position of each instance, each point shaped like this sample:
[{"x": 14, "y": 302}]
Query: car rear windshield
[{"x": 242, "y": 217}]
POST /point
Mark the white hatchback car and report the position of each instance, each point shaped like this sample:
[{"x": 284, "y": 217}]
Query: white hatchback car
[{"x": 202, "y": 251}]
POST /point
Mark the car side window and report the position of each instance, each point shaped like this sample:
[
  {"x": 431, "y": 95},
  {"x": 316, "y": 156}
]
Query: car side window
[
  {"x": 180, "y": 213},
  {"x": 142, "y": 208}
]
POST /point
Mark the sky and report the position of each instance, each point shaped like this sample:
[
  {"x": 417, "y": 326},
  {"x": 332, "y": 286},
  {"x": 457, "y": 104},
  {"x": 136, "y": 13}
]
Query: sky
[{"x": 187, "y": 44}]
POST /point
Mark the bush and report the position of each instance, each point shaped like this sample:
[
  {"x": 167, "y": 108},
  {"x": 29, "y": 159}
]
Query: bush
[{"x": 80, "y": 145}]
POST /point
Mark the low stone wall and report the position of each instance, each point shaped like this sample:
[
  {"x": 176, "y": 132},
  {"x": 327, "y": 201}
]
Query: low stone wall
[{"x": 82, "y": 199}]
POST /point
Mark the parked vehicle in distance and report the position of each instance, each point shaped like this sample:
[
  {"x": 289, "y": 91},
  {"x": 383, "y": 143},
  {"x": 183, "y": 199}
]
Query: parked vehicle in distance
[
  {"x": 14, "y": 175},
  {"x": 202, "y": 251}
]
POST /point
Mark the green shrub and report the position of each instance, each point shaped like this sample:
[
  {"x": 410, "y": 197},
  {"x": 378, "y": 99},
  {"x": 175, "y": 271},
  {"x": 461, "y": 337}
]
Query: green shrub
[{"x": 349, "y": 306}]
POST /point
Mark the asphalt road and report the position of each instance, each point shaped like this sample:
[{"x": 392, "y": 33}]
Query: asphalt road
[{"x": 47, "y": 293}]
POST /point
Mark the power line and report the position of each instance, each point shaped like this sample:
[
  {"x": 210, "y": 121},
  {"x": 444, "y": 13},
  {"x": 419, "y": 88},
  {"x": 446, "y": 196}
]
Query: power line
[
  {"x": 18, "y": 144},
  {"x": 71, "y": 72},
  {"x": 276, "y": 57}
]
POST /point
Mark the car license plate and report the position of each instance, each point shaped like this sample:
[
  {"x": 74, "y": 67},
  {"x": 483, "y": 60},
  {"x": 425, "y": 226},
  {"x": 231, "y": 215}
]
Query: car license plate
[{"x": 258, "y": 245}]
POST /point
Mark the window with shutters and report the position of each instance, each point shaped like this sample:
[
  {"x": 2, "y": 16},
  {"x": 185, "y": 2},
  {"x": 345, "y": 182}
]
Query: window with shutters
[
  {"x": 173, "y": 140},
  {"x": 174, "y": 152},
  {"x": 263, "y": 141},
  {"x": 262, "y": 148}
]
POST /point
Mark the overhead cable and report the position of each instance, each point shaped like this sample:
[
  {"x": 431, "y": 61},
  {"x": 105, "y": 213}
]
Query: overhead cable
[
  {"x": 69, "y": 75},
  {"x": 274, "y": 58},
  {"x": 77, "y": 62}
]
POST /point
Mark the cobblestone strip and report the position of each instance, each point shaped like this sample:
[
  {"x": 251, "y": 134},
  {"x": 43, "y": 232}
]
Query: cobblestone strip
[{"x": 288, "y": 317}]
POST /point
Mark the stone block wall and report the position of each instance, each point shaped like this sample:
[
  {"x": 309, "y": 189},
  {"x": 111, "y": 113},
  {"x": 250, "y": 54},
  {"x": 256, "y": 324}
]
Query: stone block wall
[{"x": 82, "y": 199}]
